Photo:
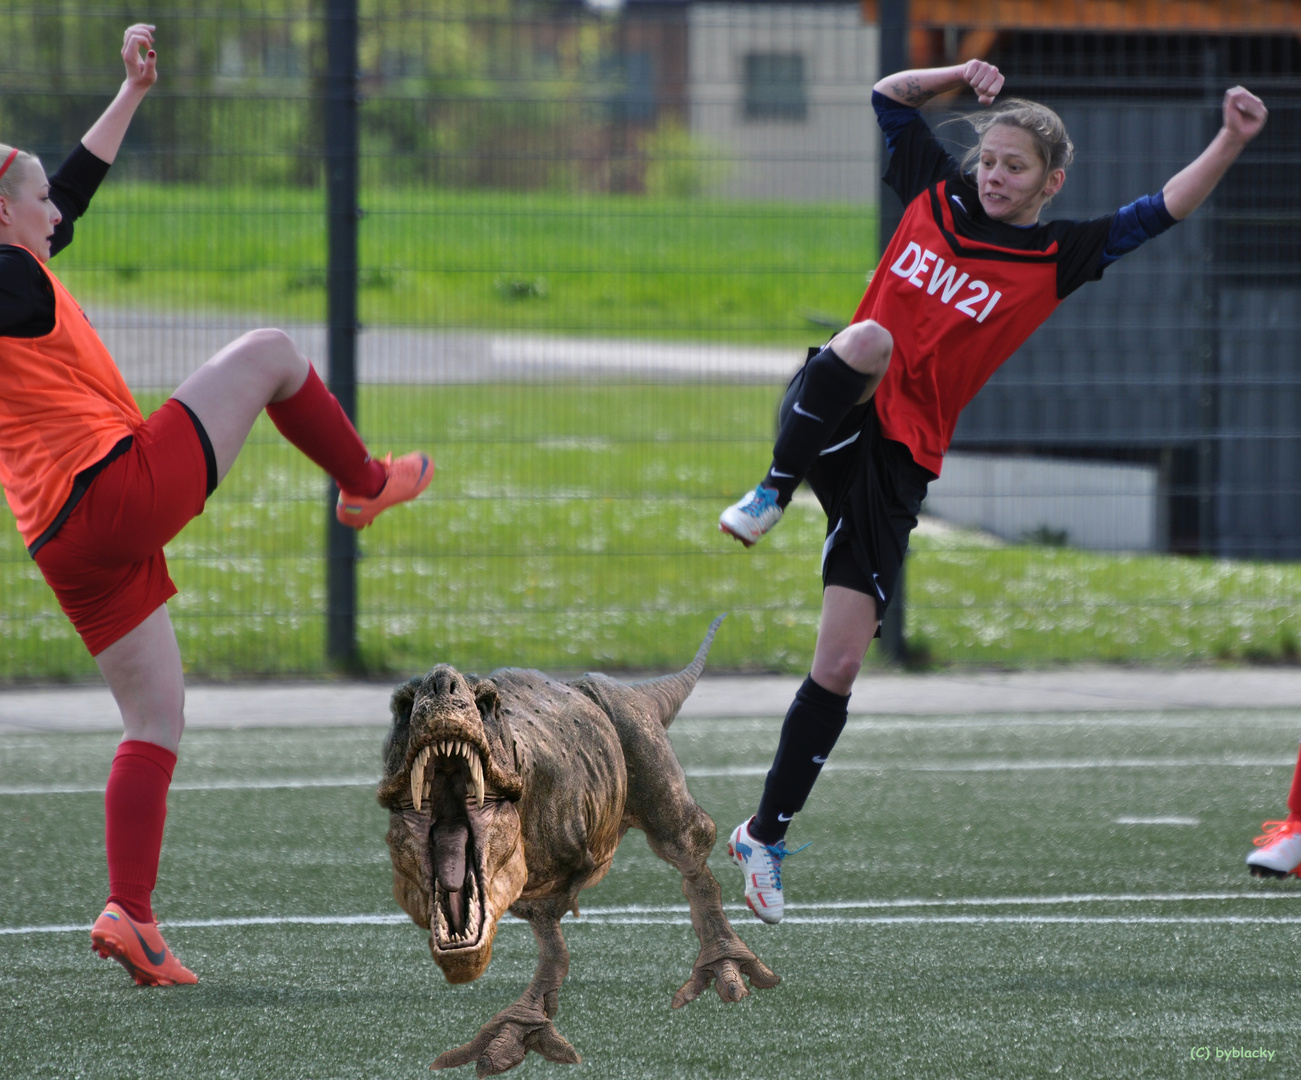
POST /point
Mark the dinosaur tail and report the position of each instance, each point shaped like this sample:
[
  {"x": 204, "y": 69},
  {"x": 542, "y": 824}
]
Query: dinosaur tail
[{"x": 670, "y": 691}]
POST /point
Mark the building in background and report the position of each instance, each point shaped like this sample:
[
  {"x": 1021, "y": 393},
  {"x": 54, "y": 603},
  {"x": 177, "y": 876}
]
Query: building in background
[{"x": 782, "y": 94}]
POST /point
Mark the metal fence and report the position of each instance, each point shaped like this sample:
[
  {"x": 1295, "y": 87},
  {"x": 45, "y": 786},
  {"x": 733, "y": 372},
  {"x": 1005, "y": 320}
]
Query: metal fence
[{"x": 593, "y": 243}]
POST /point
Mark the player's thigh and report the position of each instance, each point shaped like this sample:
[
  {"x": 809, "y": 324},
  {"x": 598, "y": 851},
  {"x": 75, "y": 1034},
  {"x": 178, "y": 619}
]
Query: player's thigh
[{"x": 229, "y": 391}]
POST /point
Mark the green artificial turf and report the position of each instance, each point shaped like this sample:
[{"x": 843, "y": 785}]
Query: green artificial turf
[{"x": 992, "y": 897}]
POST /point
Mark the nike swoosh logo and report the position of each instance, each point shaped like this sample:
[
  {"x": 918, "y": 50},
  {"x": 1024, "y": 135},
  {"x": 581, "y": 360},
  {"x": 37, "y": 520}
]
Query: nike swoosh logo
[
  {"x": 805, "y": 412},
  {"x": 818, "y": 759},
  {"x": 959, "y": 202},
  {"x": 155, "y": 958},
  {"x": 839, "y": 445},
  {"x": 784, "y": 817},
  {"x": 784, "y": 475}
]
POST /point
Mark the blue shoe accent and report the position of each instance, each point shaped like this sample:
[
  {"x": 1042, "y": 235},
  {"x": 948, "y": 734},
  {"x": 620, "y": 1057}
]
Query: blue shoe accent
[
  {"x": 753, "y": 516},
  {"x": 778, "y": 851},
  {"x": 761, "y": 863}
]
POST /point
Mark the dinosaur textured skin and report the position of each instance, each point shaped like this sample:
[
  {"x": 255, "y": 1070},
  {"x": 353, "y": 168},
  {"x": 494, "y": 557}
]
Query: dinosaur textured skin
[{"x": 511, "y": 793}]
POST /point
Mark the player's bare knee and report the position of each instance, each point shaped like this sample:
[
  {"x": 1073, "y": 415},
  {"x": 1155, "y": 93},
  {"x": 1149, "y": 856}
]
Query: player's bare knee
[
  {"x": 865, "y": 346},
  {"x": 837, "y": 673},
  {"x": 272, "y": 352},
  {"x": 273, "y": 346},
  {"x": 162, "y": 728}
]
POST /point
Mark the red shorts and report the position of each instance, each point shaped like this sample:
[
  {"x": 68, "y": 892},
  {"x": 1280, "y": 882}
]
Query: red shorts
[{"x": 105, "y": 564}]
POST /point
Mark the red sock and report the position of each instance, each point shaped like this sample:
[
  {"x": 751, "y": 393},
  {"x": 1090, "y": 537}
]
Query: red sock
[
  {"x": 314, "y": 421},
  {"x": 1294, "y": 796},
  {"x": 135, "y": 807}
]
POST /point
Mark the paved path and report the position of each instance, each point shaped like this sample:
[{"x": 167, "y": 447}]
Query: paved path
[
  {"x": 1084, "y": 689},
  {"x": 158, "y": 350}
]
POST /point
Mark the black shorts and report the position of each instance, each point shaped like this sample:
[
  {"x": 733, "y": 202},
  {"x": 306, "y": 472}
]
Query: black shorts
[{"x": 871, "y": 490}]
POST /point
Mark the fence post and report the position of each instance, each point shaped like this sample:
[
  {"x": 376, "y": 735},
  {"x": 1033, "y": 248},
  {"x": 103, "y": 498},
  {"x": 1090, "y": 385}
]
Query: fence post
[
  {"x": 341, "y": 154},
  {"x": 893, "y": 56}
]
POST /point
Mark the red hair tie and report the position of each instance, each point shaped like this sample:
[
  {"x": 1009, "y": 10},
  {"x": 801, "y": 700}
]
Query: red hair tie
[{"x": 8, "y": 161}]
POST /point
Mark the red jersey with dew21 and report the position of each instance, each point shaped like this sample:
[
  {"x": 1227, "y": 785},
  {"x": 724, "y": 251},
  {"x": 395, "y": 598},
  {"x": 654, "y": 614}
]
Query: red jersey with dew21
[
  {"x": 960, "y": 292},
  {"x": 957, "y": 309}
]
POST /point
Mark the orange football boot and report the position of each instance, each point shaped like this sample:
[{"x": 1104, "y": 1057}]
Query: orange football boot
[
  {"x": 139, "y": 948},
  {"x": 408, "y": 476}
]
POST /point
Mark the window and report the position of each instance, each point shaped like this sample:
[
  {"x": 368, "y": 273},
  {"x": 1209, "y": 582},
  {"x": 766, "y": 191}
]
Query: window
[{"x": 775, "y": 87}]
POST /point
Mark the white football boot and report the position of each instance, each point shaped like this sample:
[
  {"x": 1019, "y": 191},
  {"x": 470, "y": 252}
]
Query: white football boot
[
  {"x": 1278, "y": 849},
  {"x": 753, "y": 516},
  {"x": 762, "y": 865}
]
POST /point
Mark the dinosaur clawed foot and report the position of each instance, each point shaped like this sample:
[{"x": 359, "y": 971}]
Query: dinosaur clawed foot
[
  {"x": 504, "y": 1040},
  {"x": 727, "y": 964}
]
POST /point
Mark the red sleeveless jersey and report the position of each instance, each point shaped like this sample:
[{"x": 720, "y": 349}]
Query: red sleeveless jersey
[
  {"x": 957, "y": 308},
  {"x": 958, "y": 291},
  {"x": 63, "y": 407}
]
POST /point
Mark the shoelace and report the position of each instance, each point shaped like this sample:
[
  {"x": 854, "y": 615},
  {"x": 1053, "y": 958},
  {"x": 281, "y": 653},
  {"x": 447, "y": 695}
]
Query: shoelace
[
  {"x": 1276, "y": 830},
  {"x": 778, "y": 852},
  {"x": 761, "y": 499}
]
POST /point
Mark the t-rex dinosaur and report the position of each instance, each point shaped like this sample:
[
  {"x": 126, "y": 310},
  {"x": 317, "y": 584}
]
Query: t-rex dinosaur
[{"x": 511, "y": 793}]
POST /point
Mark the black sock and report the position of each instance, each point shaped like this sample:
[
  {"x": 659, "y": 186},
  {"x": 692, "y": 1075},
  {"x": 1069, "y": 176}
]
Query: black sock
[
  {"x": 829, "y": 390},
  {"x": 812, "y": 725}
]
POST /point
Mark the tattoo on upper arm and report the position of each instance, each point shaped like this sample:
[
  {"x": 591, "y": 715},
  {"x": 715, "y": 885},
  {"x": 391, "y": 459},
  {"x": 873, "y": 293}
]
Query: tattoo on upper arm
[{"x": 910, "y": 91}]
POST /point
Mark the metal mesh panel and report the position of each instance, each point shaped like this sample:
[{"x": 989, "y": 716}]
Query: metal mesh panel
[{"x": 594, "y": 245}]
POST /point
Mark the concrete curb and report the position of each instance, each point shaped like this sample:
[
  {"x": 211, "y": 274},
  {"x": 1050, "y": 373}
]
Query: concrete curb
[{"x": 346, "y": 704}]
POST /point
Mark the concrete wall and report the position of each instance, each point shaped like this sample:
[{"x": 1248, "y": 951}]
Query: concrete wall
[
  {"x": 1102, "y": 507},
  {"x": 1258, "y": 476},
  {"x": 832, "y": 154}
]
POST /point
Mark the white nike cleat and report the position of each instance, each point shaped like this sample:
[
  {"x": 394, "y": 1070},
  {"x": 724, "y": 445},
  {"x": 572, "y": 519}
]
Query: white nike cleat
[
  {"x": 762, "y": 864},
  {"x": 1278, "y": 849},
  {"x": 753, "y": 516}
]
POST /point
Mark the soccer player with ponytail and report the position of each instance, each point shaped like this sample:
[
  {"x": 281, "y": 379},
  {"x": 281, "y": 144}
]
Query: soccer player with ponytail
[
  {"x": 969, "y": 275},
  {"x": 97, "y": 489}
]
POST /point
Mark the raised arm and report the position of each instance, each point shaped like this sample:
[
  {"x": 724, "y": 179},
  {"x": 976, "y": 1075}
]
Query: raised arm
[
  {"x": 1244, "y": 116},
  {"x": 105, "y": 136},
  {"x": 918, "y": 86}
]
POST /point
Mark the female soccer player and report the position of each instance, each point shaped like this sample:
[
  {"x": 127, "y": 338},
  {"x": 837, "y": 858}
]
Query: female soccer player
[
  {"x": 968, "y": 276},
  {"x": 97, "y": 490}
]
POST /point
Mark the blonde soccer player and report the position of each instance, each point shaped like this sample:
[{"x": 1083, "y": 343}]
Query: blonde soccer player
[{"x": 969, "y": 275}]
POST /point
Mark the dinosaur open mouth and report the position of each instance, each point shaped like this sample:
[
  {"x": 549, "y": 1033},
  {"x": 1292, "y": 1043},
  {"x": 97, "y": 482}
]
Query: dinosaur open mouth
[
  {"x": 447, "y": 782},
  {"x": 447, "y": 750}
]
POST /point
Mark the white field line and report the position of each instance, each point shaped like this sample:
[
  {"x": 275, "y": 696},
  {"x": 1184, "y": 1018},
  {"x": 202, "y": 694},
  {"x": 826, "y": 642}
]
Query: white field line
[
  {"x": 1004, "y": 765},
  {"x": 289, "y": 783},
  {"x": 988, "y": 765},
  {"x": 1063, "y": 718},
  {"x": 829, "y": 913}
]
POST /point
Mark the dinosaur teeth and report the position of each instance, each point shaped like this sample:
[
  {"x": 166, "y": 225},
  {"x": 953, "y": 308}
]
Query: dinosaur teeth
[
  {"x": 448, "y": 748},
  {"x": 476, "y": 776},
  {"x": 472, "y": 919},
  {"x": 418, "y": 785}
]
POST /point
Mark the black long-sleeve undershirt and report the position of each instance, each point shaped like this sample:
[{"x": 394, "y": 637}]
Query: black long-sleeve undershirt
[{"x": 26, "y": 299}]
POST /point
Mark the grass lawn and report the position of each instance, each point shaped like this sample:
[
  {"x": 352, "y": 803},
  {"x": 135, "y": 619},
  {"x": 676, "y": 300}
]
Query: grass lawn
[
  {"x": 997, "y": 897},
  {"x": 613, "y": 265},
  {"x": 574, "y": 527}
]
